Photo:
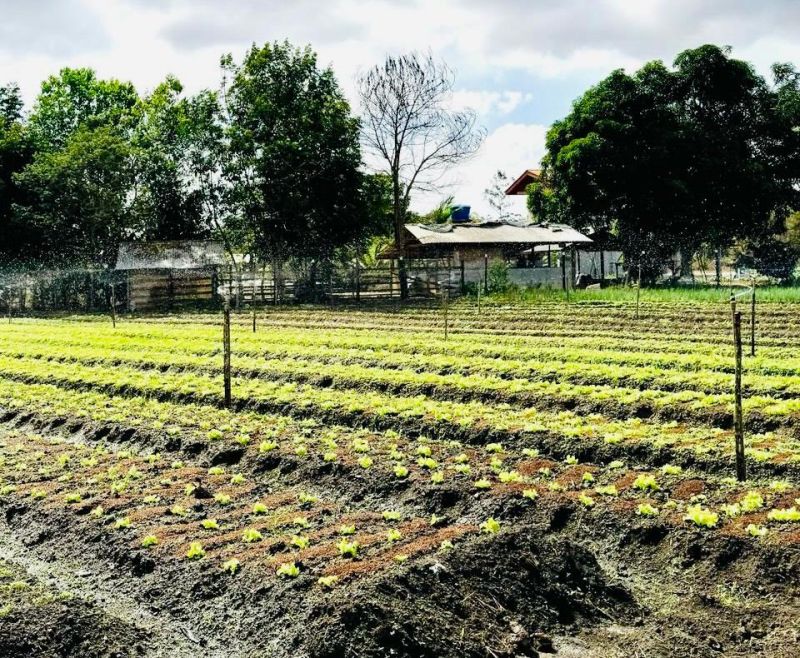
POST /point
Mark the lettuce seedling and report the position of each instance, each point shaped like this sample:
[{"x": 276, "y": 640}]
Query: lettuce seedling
[
  {"x": 251, "y": 535},
  {"x": 462, "y": 458},
  {"x": 231, "y": 566},
  {"x": 756, "y": 530},
  {"x": 329, "y": 456},
  {"x": 222, "y": 498},
  {"x": 97, "y": 512},
  {"x": 607, "y": 490},
  {"x": 151, "y": 499},
  {"x": 616, "y": 464},
  {"x": 238, "y": 478},
  {"x": 490, "y": 526},
  {"x": 267, "y": 446},
  {"x": 210, "y": 524},
  {"x": 571, "y": 460},
  {"x": 149, "y": 540},
  {"x": 400, "y": 558},
  {"x": 195, "y": 551},
  {"x": 446, "y": 545},
  {"x": 347, "y": 530},
  {"x": 701, "y": 517},
  {"x": 178, "y": 510},
  {"x": 400, "y": 471},
  {"x": 392, "y": 515},
  {"x": 73, "y": 497},
  {"x": 530, "y": 494},
  {"x": 462, "y": 469},
  {"x": 586, "y": 501},
  {"x": 306, "y": 499},
  {"x": 751, "y": 501},
  {"x": 288, "y": 570},
  {"x": 427, "y": 462},
  {"x": 437, "y": 477},
  {"x": 646, "y": 509},
  {"x": 328, "y": 581},
  {"x": 348, "y": 548},
  {"x": 365, "y": 462},
  {"x": 645, "y": 482},
  {"x": 300, "y": 522},
  {"x": 437, "y": 520},
  {"x": 494, "y": 447},
  {"x": 671, "y": 469},
  {"x": 300, "y": 542},
  {"x": 483, "y": 483},
  {"x": 122, "y": 523},
  {"x": 424, "y": 451},
  {"x": 509, "y": 476},
  {"x": 393, "y": 535},
  {"x": 301, "y": 450},
  {"x": 530, "y": 452},
  {"x": 787, "y": 515}
]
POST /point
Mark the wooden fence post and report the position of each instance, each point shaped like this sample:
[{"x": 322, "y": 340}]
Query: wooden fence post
[
  {"x": 254, "y": 318},
  {"x": 446, "y": 295},
  {"x": 486, "y": 273},
  {"x": 638, "y": 289},
  {"x": 113, "y": 305},
  {"x": 226, "y": 349},
  {"x": 358, "y": 281},
  {"x": 753, "y": 321},
  {"x": 463, "y": 280},
  {"x": 738, "y": 422}
]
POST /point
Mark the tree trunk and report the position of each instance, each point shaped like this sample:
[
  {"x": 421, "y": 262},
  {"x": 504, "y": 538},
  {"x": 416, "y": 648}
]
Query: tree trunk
[
  {"x": 718, "y": 265},
  {"x": 399, "y": 237}
]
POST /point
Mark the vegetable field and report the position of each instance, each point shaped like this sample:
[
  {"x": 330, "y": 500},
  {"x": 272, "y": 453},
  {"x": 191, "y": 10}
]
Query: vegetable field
[{"x": 549, "y": 477}]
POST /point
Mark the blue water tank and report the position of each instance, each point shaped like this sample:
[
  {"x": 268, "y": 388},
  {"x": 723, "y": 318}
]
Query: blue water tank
[{"x": 459, "y": 213}]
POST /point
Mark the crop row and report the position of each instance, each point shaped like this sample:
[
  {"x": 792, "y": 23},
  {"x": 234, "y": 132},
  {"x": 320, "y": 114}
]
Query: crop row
[
  {"x": 179, "y": 511},
  {"x": 561, "y": 431},
  {"x": 669, "y": 372}
]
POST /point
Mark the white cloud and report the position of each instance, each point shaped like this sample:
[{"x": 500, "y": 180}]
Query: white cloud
[
  {"x": 511, "y": 148},
  {"x": 487, "y": 103}
]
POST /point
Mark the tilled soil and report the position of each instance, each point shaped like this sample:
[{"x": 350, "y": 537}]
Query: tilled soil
[{"x": 552, "y": 582}]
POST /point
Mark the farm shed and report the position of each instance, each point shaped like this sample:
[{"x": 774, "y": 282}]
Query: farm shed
[
  {"x": 160, "y": 274},
  {"x": 531, "y": 251}
]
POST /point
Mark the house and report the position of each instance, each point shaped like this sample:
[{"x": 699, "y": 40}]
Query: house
[
  {"x": 465, "y": 251},
  {"x": 160, "y": 274},
  {"x": 598, "y": 260}
]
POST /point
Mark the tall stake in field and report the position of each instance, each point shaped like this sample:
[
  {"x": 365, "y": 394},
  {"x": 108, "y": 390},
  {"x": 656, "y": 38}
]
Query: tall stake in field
[
  {"x": 738, "y": 422},
  {"x": 445, "y": 296},
  {"x": 113, "y": 306},
  {"x": 226, "y": 352},
  {"x": 753, "y": 320}
]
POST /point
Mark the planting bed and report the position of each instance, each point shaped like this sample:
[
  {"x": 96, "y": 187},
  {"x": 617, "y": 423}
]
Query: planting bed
[{"x": 550, "y": 478}]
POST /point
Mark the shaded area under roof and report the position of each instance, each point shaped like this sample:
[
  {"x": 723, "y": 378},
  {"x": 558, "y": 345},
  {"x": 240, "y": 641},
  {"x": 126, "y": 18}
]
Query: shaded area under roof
[{"x": 172, "y": 255}]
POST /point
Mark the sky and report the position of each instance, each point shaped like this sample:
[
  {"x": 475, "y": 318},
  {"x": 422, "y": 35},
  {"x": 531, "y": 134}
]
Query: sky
[{"x": 518, "y": 63}]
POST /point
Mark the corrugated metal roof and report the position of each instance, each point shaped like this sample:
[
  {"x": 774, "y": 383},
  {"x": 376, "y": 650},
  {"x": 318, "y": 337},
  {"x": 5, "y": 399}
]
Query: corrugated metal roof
[
  {"x": 175, "y": 255},
  {"x": 495, "y": 233}
]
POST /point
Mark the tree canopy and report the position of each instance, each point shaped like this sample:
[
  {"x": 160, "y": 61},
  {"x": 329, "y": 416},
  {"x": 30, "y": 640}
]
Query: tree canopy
[{"x": 698, "y": 155}]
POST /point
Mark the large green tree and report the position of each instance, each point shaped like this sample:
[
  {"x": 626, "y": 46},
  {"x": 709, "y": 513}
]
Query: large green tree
[
  {"x": 671, "y": 158},
  {"x": 293, "y": 164}
]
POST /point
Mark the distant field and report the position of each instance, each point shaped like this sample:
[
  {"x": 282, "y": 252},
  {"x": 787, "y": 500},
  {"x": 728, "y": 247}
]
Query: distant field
[{"x": 550, "y": 473}]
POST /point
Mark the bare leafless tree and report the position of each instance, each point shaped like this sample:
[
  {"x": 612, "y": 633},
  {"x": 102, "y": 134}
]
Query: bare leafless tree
[{"x": 407, "y": 123}]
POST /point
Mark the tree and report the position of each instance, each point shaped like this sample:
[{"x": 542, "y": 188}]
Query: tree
[
  {"x": 294, "y": 157},
  {"x": 76, "y": 98},
  {"x": 168, "y": 202},
  {"x": 407, "y": 125},
  {"x": 696, "y": 155},
  {"x": 81, "y": 197},
  {"x": 18, "y": 240},
  {"x": 496, "y": 195}
]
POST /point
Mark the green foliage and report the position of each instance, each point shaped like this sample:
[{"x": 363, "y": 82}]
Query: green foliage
[
  {"x": 701, "y": 517},
  {"x": 697, "y": 154}
]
